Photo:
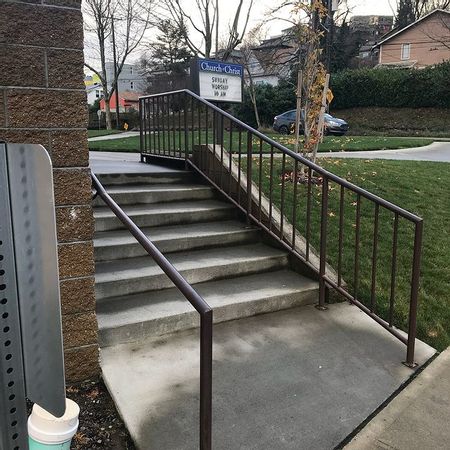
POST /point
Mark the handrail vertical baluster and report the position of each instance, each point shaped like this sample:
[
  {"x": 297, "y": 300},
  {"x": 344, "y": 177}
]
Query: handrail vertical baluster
[
  {"x": 323, "y": 243},
  {"x": 374, "y": 258},
  {"x": 249, "y": 175},
  {"x": 393, "y": 270}
]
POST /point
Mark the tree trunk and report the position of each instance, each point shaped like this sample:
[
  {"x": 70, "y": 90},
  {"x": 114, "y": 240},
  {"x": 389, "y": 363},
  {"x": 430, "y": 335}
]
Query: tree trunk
[
  {"x": 253, "y": 99},
  {"x": 108, "y": 114}
]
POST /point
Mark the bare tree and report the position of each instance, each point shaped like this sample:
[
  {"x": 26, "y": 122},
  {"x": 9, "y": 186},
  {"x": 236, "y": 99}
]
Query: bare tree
[
  {"x": 248, "y": 60},
  {"x": 131, "y": 19},
  {"x": 438, "y": 30},
  {"x": 203, "y": 33}
]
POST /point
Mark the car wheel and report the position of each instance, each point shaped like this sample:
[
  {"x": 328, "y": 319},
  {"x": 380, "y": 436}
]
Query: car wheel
[{"x": 283, "y": 129}]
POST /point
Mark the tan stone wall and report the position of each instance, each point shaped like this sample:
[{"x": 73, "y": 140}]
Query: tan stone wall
[
  {"x": 429, "y": 40},
  {"x": 43, "y": 101}
]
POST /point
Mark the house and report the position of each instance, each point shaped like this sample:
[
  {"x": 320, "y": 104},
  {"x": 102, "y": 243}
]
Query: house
[
  {"x": 127, "y": 101},
  {"x": 423, "y": 43},
  {"x": 130, "y": 78},
  {"x": 94, "y": 92},
  {"x": 371, "y": 25}
]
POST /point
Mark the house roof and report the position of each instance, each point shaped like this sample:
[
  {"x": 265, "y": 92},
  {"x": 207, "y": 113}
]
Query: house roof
[
  {"x": 390, "y": 36},
  {"x": 130, "y": 96}
]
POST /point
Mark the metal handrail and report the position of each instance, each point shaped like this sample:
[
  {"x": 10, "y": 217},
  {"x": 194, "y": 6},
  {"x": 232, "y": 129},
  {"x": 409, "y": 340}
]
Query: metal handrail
[
  {"x": 201, "y": 306},
  {"x": 159, "y": 124},
  {"x": 301, "y": 159}
]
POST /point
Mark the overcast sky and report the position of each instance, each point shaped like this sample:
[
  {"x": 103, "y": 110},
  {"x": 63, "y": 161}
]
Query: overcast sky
[{"x": 228, "y": 7}]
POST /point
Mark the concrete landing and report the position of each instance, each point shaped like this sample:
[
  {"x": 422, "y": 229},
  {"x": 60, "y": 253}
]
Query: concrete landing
[
  {"x": 295, "y": 379},
  {"x": 418, "y": 418},
  {"x": 121, "y": 162}
]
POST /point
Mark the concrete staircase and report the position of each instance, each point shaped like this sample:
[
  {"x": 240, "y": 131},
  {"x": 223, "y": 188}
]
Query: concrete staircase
[
  {"x": 227, "y": 260},
  {"x": 294, "y": 378}
]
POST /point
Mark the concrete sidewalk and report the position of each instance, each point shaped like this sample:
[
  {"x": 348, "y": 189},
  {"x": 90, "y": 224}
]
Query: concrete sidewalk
[
  {"x": 437, "y": 151},
  {"x": 418, "y": 418},
  {"x": 108, "y": 137}
]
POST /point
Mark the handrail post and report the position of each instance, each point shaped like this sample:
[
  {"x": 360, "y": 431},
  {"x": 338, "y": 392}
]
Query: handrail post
[
  {"x": 141, "y": 126},
  {"x": 206, "y": 324},
  {"x": 412, "y": 323},
  {"x": 323, "y": 244}
]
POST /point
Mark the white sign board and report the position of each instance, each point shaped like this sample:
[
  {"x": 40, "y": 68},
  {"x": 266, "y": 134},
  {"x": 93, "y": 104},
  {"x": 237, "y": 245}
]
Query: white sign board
[{"x": 220, "y": 81}]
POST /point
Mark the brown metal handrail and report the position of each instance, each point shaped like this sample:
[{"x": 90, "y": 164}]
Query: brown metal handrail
[
  {"x": 205, "y": 311},
  {"x": 174, "y": 124}
]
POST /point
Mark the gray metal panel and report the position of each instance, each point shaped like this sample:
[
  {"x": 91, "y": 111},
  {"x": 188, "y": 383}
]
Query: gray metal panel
[
  {"x": 13, "y": 414},
  {"x": 34, "y": 226}
]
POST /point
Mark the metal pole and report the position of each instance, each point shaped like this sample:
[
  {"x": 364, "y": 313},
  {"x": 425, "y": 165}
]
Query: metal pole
[{"x": 116, "y": 81}]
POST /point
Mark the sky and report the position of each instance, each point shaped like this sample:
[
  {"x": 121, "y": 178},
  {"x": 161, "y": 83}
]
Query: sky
[
  {"x": 260, "y": 8},
  {"x": 358, "y": 7}
]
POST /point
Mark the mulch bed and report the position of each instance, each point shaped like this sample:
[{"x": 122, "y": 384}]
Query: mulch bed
[{"x": 100, "y": 424}]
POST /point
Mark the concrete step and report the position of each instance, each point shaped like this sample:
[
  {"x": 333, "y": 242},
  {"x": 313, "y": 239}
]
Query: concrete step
[
  {"x": 172, "y": 213},
  {"x": 156, "y": 193},
  {"x": 163, "y": 175},
  {"x": 133, "y": 275},
  {"x": 139, "y": 316},
  {"x": 120, "y": 244},
  {"x": 294, "y": 379}
]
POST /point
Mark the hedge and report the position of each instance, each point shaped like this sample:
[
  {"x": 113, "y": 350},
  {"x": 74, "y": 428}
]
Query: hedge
[
  {"x": 380, "y": 87},
  {"x": 397, "y": 88}
]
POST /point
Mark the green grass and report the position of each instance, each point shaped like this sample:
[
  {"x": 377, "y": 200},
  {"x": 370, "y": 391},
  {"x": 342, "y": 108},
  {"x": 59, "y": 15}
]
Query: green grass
[
  {"x": 420, "y": 187},
  {"x": 330, "y": 144},
  {"x": 95, "y": 133}
]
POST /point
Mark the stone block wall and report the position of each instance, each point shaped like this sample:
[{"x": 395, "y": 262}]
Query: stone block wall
[{"x": 43, "y": 101}]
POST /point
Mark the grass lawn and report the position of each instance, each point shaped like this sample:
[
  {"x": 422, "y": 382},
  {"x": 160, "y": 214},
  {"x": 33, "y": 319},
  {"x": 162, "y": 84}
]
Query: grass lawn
[
  {"x": 95, "y": 133},
  {"x": 330, "y": 144},
  {"x": 420, "y": 187}
]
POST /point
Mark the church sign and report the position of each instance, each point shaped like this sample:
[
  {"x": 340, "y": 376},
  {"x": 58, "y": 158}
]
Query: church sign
[{"x": 218, "y": 81}]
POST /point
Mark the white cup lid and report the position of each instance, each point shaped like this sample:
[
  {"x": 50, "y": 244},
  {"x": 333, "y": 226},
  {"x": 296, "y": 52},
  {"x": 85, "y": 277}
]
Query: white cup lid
[{"x": 45, "y": 428}]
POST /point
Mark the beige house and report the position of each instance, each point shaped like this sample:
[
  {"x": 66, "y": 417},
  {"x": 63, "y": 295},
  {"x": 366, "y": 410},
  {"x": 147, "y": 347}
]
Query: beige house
[{"x": 420, "y": 44}]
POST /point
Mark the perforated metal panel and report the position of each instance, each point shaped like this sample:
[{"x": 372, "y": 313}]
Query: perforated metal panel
[
  {"x": 35, "y": 248},
  {"x": 13, "y": 431}
]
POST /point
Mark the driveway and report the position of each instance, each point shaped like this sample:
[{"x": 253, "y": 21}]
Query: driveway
[{"x": 437, "y": 151}]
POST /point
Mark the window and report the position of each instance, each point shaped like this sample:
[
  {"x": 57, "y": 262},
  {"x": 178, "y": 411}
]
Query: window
[
  {"x": 97, "y": 94},
  {"x": 406, "y": 50},
  {"x": 131, "y": 70},
  {"x": 131, "y": 85}
]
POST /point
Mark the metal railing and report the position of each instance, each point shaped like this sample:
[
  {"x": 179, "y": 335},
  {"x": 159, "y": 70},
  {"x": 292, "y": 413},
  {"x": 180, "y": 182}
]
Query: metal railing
[
  {"x": 205, "y": 311},
  {"x": 269, "y": 183}
]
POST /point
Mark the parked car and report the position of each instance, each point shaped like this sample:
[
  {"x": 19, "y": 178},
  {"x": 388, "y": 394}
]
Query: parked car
[{"x": 283, "y": 123}]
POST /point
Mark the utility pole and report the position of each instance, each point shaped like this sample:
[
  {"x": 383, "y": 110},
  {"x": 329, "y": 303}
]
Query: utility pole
[
  {"x": 217, "y": 29},
  {"x": 331, "y": 6},
  {"x": 116, "y": 81}
]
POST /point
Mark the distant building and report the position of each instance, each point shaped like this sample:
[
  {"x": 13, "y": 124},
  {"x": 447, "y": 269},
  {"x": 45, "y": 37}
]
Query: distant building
[
  {"x": 270, "y": 61},
  {"x": 127, "y": 101},
  {"x": 94, "y": 89},
  {"x": 423, "y": 43},
  {"x": 371, "y": 25},
  {"x": 130, "y": 79}
]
